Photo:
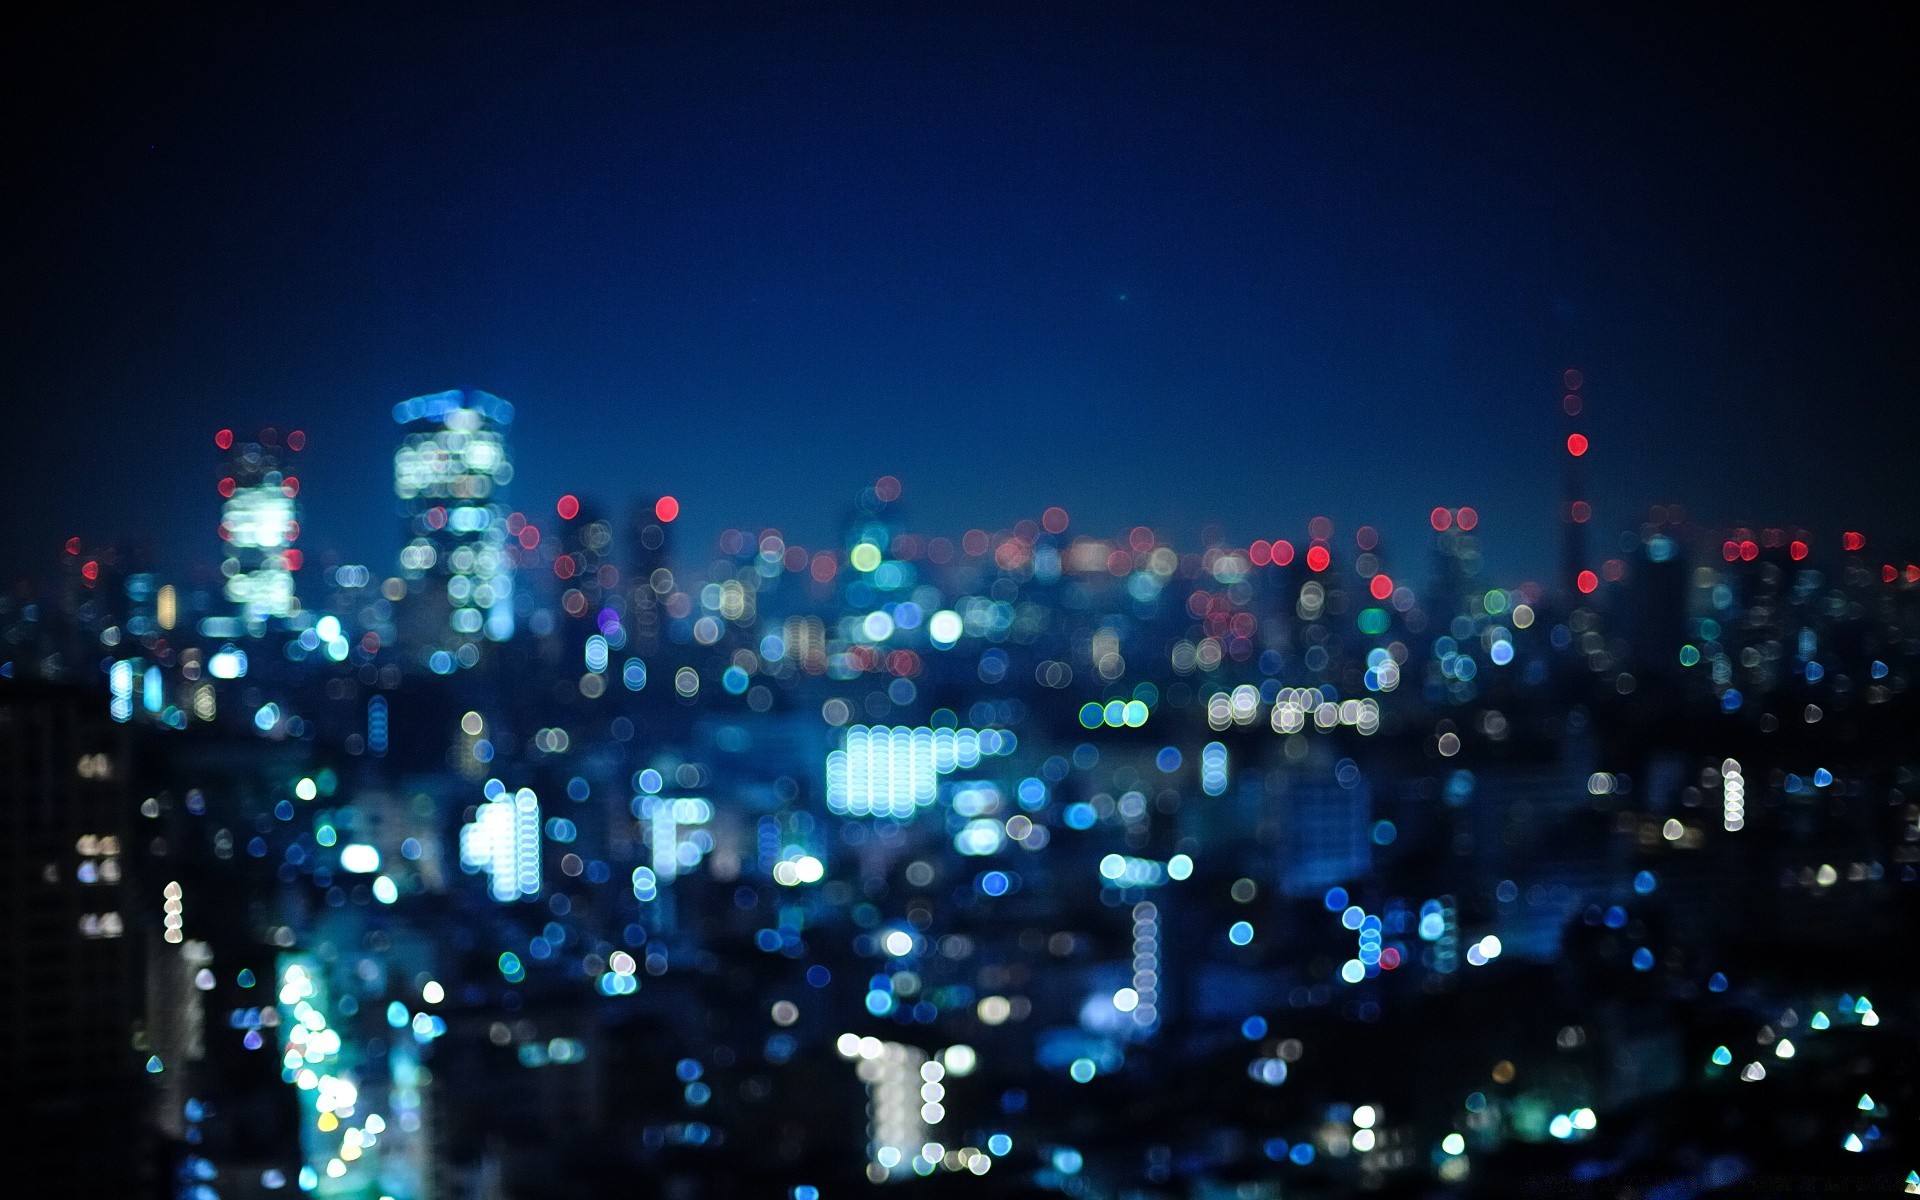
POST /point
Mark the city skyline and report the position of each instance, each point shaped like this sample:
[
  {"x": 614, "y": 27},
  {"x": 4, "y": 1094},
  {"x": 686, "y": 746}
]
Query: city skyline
[
  {"x": 817, "y": 600},
  {"x": 1590, "y": 531},
  {"x": 1070, "y": 263}
]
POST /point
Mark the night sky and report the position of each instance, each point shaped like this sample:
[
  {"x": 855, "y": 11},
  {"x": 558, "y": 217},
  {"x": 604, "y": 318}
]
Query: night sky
[{"x": 1168, "y": 265}]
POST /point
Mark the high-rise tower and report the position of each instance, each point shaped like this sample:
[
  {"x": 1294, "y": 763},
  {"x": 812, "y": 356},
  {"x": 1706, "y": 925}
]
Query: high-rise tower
[
  {"x": 450, "y": 473},
  {"x": 260, "y": 521},
  {"x": 1575, "y": 577},
  {"x": 649, "y": 567}
]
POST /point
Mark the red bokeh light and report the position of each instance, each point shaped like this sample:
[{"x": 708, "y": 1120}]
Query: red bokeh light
[
  {"x": 1282, "y": 553},
  {"x": 823, "y": 567},
  {"x": 1054, "y": 520},
  {"x": 1441, "y": 519},
  {"x": 568, "y": 507},
  {"x": 1260, "y": 553},
  {"x": 529, "y": 536},
  {"x": 224, "y": 439},
  {"x": 887, "y": 488},
  {"x": 1381, "y": 587},
  {"x": 563, "y": 566},
  {"x": 1318, "y": 558},
  {"x": 1797, "y": 549},
  {"x": 667, "y": 509},
  {"x": 294, "y": 560},
  {"x": 1580, "y": 511},
  {"x": 1577, "y": 444},
  {"x": 1854, "y": 541},
  {"x": 297, "y": 440},
  {"x": 1467, "y": 518},
  {"x": 1586, "y": 581}
]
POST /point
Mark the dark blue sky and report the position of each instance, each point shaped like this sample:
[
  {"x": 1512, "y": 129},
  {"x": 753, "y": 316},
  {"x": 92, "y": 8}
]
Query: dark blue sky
[{"x": 1168, "y": 265}]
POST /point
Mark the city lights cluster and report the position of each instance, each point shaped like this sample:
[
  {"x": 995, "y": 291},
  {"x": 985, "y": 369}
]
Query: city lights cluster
[
  {"x": 503, "y": 840},
  {"x": 1733, "y": 796},
  {"x": 891, "y": 772}
]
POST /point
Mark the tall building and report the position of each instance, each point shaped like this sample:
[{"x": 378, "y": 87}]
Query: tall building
[
  {"x": 450, "y": 474},
  {"x": 260, "y": 522},
  {"x": 649, "y": 567},
  {"x": 1326, "y": 843},
  {"x": 1575, "y": 578},
  {"x": 76, "y": 1057},
  {"x": 589, "y": 578},
  {"x": 1657, "y": 619}
]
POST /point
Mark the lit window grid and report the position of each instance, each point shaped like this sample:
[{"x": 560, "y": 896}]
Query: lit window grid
[
  {"x": 673, "y": 855},
  {"x": 1146, "y": 966},
  {"x": 120, "y": 690},
  {"x": 1733, "y": 796},
  {"x": 450, "y": 464},
  {"x": 174, "y": 913},
  {"x": 377, "y": 724},
  {"x": 897, "y": 1126},
  {"x": 891, "y": 772},
  {"x": 1213, "y": 769},
  {"x": 260, "y": 526},
  {"x": 464, "y": 463},
  {"x": 1446, "y": 947},
  {"x": 503, "y": 839}
]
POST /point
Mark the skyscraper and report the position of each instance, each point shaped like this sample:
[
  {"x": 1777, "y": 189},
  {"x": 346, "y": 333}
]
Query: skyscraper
[
  {"x": 259, "y": 522},
  {"x": 1574, "y": 574},
  {"x": 649, "y": 554},
  {"x": 450, "y": 473},
  {"x": 71, "y": 1040}
]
